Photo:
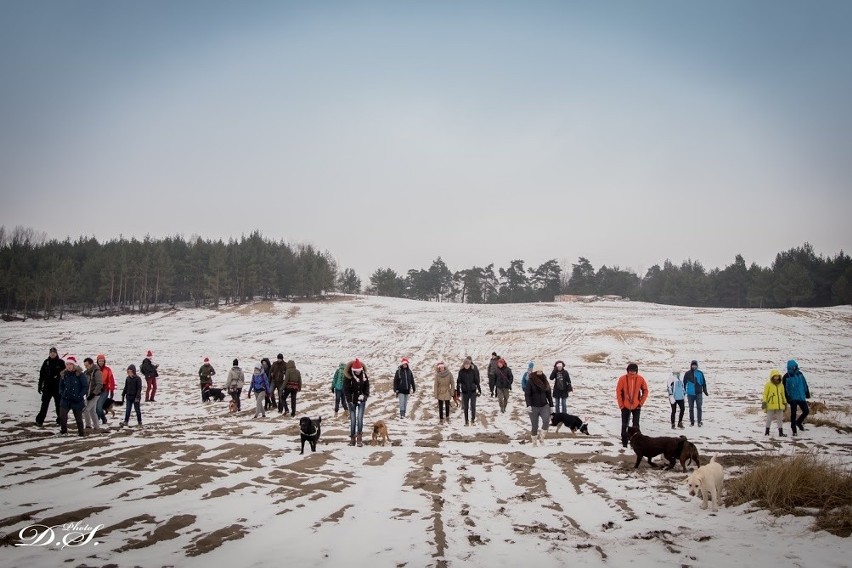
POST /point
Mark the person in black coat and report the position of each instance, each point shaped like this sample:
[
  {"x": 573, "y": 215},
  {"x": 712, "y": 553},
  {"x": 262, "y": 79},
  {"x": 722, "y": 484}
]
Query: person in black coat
[
  {"x": 539, "y": 401},
  {"x": 468, "y": 385},
  {"x": 48, "y": 384},
  {"x": 403, "y": 385}
]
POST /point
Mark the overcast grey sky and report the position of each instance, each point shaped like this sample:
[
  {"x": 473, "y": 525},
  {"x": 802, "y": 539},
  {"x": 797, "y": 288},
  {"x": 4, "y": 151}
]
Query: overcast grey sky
[{"x": 390, "y": 133}]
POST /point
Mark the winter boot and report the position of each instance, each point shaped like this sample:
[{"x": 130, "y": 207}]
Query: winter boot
[
  {"x": 680, "y": 424},
  {"x": 767, "y": 432},
  {"x": 358, "y": 442},
  {"x": 800, "y": 425},
  {"x": 673, "y": 426},
  {"x": 535, "y": 440},
  {"x": 780, "y": 432},
  {"x": 351, "y": 440},
  {"x": 542, "y": 434}
]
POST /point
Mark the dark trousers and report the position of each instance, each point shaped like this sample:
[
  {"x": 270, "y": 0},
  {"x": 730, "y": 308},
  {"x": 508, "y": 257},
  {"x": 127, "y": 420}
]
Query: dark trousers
[
  {"x": 469, "y": 405},
  {"x": 130, "y": 404},
  {"x": 675, "y": 405},
  {"x": 282, "y": 403},
  {"x": 794, "y": 404},
  {"x": 444, "y": 408},
  {"x": 339, "y": 400},
  {"x": 271, "y": 400},
  {"x": 626, "y": 413},
  {"x": 63, "y": 419},
  {"x": 46, "y": 395}
]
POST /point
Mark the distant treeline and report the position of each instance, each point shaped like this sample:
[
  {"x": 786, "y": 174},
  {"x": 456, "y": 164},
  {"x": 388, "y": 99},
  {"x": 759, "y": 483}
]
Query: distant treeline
[
  {"x": 797, "y": 277},
  {"x": 41, "y": 277}
]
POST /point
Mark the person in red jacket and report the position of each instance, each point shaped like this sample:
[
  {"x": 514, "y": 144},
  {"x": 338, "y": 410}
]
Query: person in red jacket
[
  {"x": 109, "y": 387},
  {"x": 631, "y": 392}
]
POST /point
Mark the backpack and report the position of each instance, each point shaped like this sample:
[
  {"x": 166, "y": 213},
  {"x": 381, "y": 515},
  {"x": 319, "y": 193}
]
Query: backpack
[{"x": 72, "y": 390}]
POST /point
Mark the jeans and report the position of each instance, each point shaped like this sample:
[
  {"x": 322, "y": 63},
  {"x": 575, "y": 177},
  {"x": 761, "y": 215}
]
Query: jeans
[
  {"x": 537, "y": 412},
  {"x": 129, "y": 404},
  {"x": 695, "y": 399},
  {"x": 675, "y": 405},
  {"x": 803, "y": 404},
  {"x": 339, "y": 400},
  {"x": 356, "y": 417},
  {"x": 99, "y": 409},
  {"x": 403, "y": 404},
  {"x": 47, "y": 394},
  {"x": 151, "y": 389},
  {"x": 561, "y": 404},
  {"x": 626, "y": 413},
  {"x": 63, "y": 419},
  {"x": 469, "y": 404}
]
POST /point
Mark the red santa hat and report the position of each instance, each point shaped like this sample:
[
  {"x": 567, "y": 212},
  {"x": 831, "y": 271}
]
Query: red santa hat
[
  {"x": 149, "y": 354},
  {"x": 403, "y": 361},
  {"x": 70, "y": 359},
  {"x": 356, "y": 365},
  {"x": 206, "y": 360}
]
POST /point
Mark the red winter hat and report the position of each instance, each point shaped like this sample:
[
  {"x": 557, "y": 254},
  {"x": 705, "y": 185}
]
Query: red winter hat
[
  {"x": 149, "y": 354},
  {"x": 70, "y": 359},
  {"x": 356, "y": 365},
  {"x": 101, "y": 357},
  {"x": 206, "y": 360},
  {"x": 404, "y": 361}
]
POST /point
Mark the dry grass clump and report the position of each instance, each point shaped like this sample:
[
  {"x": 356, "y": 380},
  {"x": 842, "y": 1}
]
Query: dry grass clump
[
  {"x": 599, "y": 357},
  {"x": 798, "y": 485}
]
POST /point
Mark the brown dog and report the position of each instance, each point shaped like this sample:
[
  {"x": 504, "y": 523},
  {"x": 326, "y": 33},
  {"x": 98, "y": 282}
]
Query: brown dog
[
  {"x": 650, "y": 447},
  {"x": 380, "y": 430},
  {"x": 689, "y": 454},
  {"x": 456, "y": 397}
]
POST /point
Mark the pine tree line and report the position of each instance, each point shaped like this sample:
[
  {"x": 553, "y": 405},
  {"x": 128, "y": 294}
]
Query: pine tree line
[{"x": 45, "y": 277}]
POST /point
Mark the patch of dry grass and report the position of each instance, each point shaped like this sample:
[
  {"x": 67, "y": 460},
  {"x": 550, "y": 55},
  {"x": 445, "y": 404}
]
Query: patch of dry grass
[
  {"x": 599, "y": 357},
  {"x": 796, "y": 484}
]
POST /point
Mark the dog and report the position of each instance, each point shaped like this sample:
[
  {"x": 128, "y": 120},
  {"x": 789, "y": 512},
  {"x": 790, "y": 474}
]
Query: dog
[
  {"x": 709, "y": 480},
  {"x": 232, "y": 406},
  {"x": 650, "y": 447},
  {"x": 310, "y": 431},
  {"x": 209, "y": 392},
  {"x": 109, "y": 406},
  {"x": 689, "y": 454},
  {"x": 575, "y": 423},
  {"x": 456, "y": 398},
  {"x": 380, "y": 430}
]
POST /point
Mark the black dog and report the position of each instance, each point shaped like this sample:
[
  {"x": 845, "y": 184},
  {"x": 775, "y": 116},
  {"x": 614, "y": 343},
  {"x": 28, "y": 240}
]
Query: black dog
[
  {"x": 109, "y": 406},
  {"x": 216, "y": 394},
  {"x": 560, "y": 419},
  {"x": 649, "y": 447},
  {"x": 310, "y": 432}
]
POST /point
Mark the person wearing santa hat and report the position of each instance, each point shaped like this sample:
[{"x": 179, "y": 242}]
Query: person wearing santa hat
[
  {"x": 149, "y": 371},
  {"x": 356, "y": 390},
  {"x": 72, "y": 394},
  {"x": 403, "y": 385},
  {"x": 205, "y": 375}
]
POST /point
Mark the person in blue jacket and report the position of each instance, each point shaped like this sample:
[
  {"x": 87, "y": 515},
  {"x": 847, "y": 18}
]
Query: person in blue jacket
[
  {"x": 696, "y": 388},
  {"x": 796, "y": 390}
]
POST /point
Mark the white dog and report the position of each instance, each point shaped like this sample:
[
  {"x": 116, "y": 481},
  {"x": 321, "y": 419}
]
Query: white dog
[{"x": 708, "y": 479}]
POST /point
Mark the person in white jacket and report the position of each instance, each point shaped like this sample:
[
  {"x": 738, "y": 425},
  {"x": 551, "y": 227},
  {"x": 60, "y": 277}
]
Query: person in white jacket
[{"x": 677, "y": 393}]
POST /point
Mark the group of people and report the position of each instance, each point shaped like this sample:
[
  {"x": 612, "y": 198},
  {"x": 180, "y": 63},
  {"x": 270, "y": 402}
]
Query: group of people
[
  {"x": 84, "y": 391},
  {"x": 271, "y": 384}
]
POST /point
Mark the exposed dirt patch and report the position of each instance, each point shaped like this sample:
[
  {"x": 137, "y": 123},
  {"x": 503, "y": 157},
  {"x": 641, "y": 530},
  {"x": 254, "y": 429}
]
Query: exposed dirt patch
[
  {"x": 188, "y": 478},
  {"x": 223, "y": 491},
  {"x": 624, "y": 335},
  {"x": 334, "y": 517},
  {"x": 378, "y": 458},
  {"x": 599, "y": 357},
  {"x": 216, "y": 539},
  {"x": 166, "y": 531},
  {"x": 117, "y": 477}
]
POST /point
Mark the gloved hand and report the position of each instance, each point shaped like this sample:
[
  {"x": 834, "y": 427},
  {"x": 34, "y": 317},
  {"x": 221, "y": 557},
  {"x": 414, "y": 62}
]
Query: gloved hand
[
  {"x": 361, "y": 398},
  {"x": 529, "y": 410}
]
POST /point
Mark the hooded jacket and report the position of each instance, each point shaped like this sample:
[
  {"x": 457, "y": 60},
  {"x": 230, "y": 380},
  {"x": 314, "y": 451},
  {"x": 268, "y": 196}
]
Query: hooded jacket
[
  {"x": 132, "y": 388},
  {"x": 51, "y": 370},
  {"x": 795, "y": 385},
  {"x": 236, "y": 379},
  {"x": 443, "y": 384},
  {"x": 468, "y": 381},
  {"x": 563, "y": 390},
  {"x": 292, "y": 377},
  {"x": 73, "y": 396},
  {"x": 205, "y": 374},
  {"x": 773, "y": 394},
  {"x": 694, "y": 381},
  {"x": 96, "y": 382},
  {"x": 276, "y": 372},
  {"x": 337, "y": 379}
]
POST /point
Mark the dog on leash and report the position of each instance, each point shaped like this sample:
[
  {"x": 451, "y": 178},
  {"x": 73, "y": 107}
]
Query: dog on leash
[
  {"x": 707, "y": 479},
  {"x": 380, "y": 431},
  {"x": 232, "y": 406},
  {"x": 109, "y": 406},
  {"x": 456, "y": 398},
  {"x": 650, "y": 447},
  {"x": 309, "y": 431},
  {"x": 560, "y": 419}
]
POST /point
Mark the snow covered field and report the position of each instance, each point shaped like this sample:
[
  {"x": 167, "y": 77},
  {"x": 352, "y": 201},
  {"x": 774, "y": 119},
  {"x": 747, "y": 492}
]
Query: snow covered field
[{"x": 199, "y": 487}]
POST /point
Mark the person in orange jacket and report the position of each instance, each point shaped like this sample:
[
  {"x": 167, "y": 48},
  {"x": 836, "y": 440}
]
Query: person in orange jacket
[{"x": 631, "y": 392}]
